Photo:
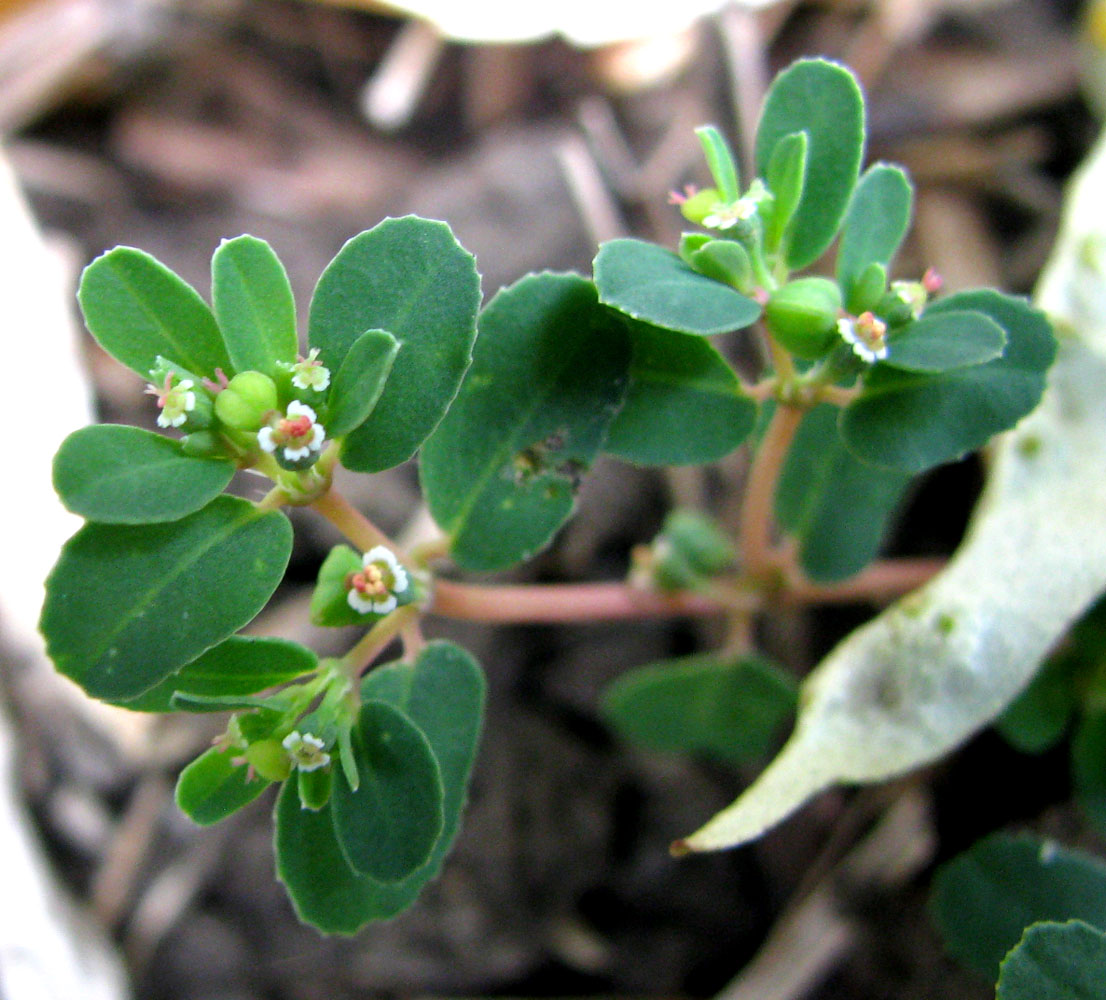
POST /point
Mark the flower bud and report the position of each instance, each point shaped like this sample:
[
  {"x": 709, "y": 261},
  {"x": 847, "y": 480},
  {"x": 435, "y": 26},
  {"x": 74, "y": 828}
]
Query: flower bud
[
  {"x": 245, "y": 402},
  {"x": 802, "y": 316},
  {"x": 269, "y": 759}
]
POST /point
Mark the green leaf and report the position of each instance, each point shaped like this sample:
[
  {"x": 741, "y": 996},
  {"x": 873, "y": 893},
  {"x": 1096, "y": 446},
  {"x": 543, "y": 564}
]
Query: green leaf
[
  {"x": 1055, "y": 961},
  {"x": 939, "y": 665},
  {"x": 785, "y": 177},
  {"x": 877, "y": 221},
  {"x": 836, "y": 506},
  {"x": 912, "y": 421},
  {"x": 1088, "y": 770},
  {"x": 727, "y": 707},
  {"x": 649, "y": 283},
  {"x": 443, "y": 693},
  {"x": 360, "y": 381},
  {"x": 1038, "y": 718},
  {"x": 720, "y": 162},
  {"x": 240, "y": 665},
  {"x": 139, "y": 310},
  {"x": 823, "y": 100},
  {"x": 985, "y": 897},
  {"x": 946, "y": 341},
  {"x": 501, "y": 472},
  {"x": 125, "y": 475},
  {"x": 684, "y": 403},
  {"x": 212, "y": 787},
  {"x": 127, "y": 605},
  {"x": 254, "y": 305},
  {"x": 389, "y": 826},
  {"x": 410, "y": 277}
]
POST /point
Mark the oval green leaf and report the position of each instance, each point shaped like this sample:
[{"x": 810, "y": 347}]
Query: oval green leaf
[
  {"x": 984, "y": 898},
  {"x": 944, "y": 341},
  {"x": 1055, "y": 961},
  {"x": 876, "y": 223},
  {"x": 684, "y": 403},
  {"x": 836, "y": 506},
  {"x": 785, "y": 176},
  {"x": 139, "y": 310},
  {"x": 240, "y": 665},
  {"x": 388, "y": 827},
  {"x": 501, "y": 472},
  {"x": 125, "y": 475},
  {"x": 212, "y": 786},
  {"x": 727, "y": 707},
  {"x": 359, "y": 382},
  {"x": 408, "y": 276},
  {"x": 127, "y": 605},
  {"x": 443, "y": 693},
  {"x": 913, "y": 421},
  {"x": 647, "y": 282},
  {"x": 253, "y": 305},
  {"x": 823, "y": 100}
]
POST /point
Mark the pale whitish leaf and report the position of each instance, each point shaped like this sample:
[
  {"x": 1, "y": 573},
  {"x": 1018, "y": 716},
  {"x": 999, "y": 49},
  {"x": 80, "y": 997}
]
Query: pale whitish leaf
[{"x": 942, "y": 663}]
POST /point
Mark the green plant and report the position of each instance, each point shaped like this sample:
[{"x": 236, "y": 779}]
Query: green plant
[{"x": 866, "y": 383}]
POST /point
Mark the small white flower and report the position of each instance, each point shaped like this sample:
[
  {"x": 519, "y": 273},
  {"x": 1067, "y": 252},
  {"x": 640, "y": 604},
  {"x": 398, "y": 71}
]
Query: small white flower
[
  {"x": 297, "y": 434},
  {"x": 310, "y": 372},
  {"x": 724, "y": 216},
  {"x": 174, "y": 401},
  {"x": 306, "y": 751},
  {"x": 374, "y": 589},
  {"x": 866, "y": 335}
]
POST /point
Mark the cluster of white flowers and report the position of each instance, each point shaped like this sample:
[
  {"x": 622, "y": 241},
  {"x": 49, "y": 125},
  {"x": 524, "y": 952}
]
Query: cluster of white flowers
[{"x": 174, "y": 401}]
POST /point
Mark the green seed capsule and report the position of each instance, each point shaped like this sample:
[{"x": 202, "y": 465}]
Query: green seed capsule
[
  {"x": 248, "y": 397},
  {"x": 269, "y": 759},
  {"x": 802, "y": 316}
]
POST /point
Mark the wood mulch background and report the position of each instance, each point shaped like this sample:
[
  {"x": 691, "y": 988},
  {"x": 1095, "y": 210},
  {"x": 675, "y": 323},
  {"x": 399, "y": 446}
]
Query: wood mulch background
[{"x": 170, "y": 126}]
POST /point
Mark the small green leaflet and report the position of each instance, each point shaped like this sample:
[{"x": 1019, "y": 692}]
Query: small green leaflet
[
  {"x": 985, "y": 897},
  {"x": 836, "y": 506},
  {"x": 649, "y": 283},
  {"x": 823, "y": 100},
  {"x": 878, "y": 218},
  {"x": 684, "y": 404},
  {"x": 139, "y": 311},
  {"x": 408, "y": 276},
  {"x": 728, "y": 707},
  {"x": 913, "y": 421},
  {"x": 388, "y": 827},
  {"x": 253, "y": 305},
  {"x": 944, "y": 341},
  {"x": 125, "y": 475},
  {"x": 240, "y": 665},
  {"x": 127, "y": 605},
  {"x": 1055, "y": 961},
  {"x": 358, "y": 383},
  {"x": 213, "y": 786},
  {"x": 500, "y": 474},
  {"x": 443, "y": 694}
]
